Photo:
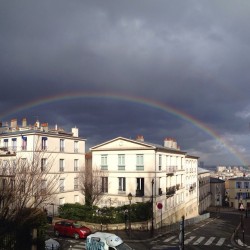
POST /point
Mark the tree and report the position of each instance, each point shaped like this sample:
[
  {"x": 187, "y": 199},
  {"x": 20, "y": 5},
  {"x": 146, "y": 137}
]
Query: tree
[
  {"x": 26, "y": 182},
  {"x": 93, "y": 183}
]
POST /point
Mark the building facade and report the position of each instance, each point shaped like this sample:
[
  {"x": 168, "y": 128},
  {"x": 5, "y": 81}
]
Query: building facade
[
  {"x": 238, "y": 193},
  {"x": 146, "y": 170},
  {"x": 204, "y": 190},
  {"x": 217, "y": 187},
  {"x": 64, "y": 151}
]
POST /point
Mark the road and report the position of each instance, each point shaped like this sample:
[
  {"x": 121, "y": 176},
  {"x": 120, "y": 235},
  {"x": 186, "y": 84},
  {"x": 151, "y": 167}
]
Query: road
[{"x": 214, "y": 233}]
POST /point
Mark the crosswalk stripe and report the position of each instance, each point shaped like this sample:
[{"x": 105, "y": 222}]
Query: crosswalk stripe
[
  {"x": 210, "y": 240},
  {"x": 220, "y": 242},
  {"x": 189, "y": 239},
  {"x": 170, "y": 238},
  {"x": 199, "y": 241}
]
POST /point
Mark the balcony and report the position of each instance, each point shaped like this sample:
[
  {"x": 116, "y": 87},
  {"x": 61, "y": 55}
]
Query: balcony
[
  {"x": 170, "y": 191},
  {"x": 121, "y": 167},
  {"x": 104, "y": 167},
  {"x": 139, "y": 168},
  {"x": 139, "y": 193}
]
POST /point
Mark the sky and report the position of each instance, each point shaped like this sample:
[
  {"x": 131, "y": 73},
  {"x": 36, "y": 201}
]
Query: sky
[{"x": 159, "y": 68}]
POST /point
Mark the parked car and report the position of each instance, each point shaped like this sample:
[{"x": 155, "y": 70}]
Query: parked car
[
  {"x": 71, "y": 228},
  {"x": 51, "y": 244}
]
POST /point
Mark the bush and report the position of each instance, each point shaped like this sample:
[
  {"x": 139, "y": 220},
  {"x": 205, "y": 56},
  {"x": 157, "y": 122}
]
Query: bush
[{"x": 139, "y": 212}]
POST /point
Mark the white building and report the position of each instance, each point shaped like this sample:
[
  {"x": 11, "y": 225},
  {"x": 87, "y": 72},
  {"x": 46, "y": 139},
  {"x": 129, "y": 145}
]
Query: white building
[
  {"x": 66, "y": 149},
  {"x": 143, "y": 169}
]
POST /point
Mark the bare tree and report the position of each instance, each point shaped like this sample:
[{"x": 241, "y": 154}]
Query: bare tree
[
  {"x": 93, "y": 183},
  {"x": 26, "y": 183}
]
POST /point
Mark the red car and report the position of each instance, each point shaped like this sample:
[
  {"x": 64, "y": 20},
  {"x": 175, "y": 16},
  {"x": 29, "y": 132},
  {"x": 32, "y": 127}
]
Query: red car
[{"x": 71, "y": 229}]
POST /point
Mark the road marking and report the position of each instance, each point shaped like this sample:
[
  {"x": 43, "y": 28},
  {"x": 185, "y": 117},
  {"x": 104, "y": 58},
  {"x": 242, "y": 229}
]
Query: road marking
[
  {"x": 220, "y": 242},
  {"x": 210, "y": 240},
  {"x": 189, "y": 239},
  {"x": 170, "y": 238},
  {"x": 199, "y": 240}
]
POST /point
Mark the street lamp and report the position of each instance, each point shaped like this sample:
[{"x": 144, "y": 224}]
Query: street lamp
[
  {"x": 152, "y": 226},
  {"x": 130, "y": 196},
  {"x": 52, "y": 204}
]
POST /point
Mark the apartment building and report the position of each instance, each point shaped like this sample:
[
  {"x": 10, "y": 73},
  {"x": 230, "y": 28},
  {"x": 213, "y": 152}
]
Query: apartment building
[
  {"x": 64, "y": 150},
  {"x": 217, "y": 187},
  {"x": 147, "y": 170},
  {"x": 238, "y": 192},
  {"x": 204, "y": 190}
]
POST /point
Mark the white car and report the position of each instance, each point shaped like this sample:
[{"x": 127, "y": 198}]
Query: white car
[{"x": 52, "y": 244}]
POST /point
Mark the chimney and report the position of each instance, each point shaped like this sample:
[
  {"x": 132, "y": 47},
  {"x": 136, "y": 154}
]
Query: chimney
[
  {"x": 45, "y": 127},
  {"x": 13, "y": 123},
  {"x": 24, "y": 123},
  {"x": 75, "y": 131},
  {"x": 171, "y": 143},
  {"x": 140, "y": 138}
]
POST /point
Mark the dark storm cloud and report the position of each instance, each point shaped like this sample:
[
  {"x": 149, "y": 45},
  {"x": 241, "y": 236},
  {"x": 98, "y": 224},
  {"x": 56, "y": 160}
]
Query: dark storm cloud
[{"x": 191, "y": 55}]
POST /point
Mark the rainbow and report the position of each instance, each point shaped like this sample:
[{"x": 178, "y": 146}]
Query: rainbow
[{"x": 133, "y": 99}]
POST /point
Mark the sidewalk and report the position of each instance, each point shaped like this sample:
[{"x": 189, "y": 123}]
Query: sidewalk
[{"x": 242, "y": 234}]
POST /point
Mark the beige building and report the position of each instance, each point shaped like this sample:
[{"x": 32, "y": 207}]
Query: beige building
[
  {"x": 238, "y": 192},
  {"x": 204, "y": 190},
  {"x": 217, "y": 187},
  {"x": 145, "y": 169},
  {"x": 65, "y": 149}
]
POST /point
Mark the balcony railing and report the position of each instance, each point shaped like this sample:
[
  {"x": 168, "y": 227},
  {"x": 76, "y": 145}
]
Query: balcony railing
[
  {"x": 170, "y": 191},
  {"x": 139, "y": 193}
]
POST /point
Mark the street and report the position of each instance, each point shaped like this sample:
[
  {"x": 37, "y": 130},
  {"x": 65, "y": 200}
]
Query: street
[{"x": 214, "y": 232}]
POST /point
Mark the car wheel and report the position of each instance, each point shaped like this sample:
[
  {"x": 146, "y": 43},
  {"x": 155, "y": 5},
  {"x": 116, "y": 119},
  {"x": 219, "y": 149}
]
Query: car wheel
[
  {"x": 57, "y": 233},
  {"x": 76, "y": 236}
]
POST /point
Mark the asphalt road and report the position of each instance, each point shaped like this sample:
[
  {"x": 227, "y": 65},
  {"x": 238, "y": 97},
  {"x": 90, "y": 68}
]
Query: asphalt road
[{"x": 213, "y": 233}]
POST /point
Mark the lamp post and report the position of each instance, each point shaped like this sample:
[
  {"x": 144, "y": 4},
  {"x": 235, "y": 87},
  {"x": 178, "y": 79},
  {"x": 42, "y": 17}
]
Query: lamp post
[
  {"x": 152, "y": 226},
  {"x": 52, "y": 204},
  {"x": 130, "y": 196}
]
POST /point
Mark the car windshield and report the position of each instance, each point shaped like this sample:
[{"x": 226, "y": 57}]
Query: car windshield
[
  {"x": 123, "y": 246},
  {"x": 77, "y": 225}
]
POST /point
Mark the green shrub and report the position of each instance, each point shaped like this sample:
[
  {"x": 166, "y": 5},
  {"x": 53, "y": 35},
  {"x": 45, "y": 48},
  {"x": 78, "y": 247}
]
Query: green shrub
[{"x": 106, "y": 215}]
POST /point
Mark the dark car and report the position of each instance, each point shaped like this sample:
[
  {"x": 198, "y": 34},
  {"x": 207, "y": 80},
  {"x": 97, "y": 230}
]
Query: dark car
[{"x": 71, "y": 229}]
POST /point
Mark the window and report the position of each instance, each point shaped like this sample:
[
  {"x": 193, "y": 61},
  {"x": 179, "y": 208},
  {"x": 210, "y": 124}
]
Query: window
[
  {"x": 121, "y": 162},
  {"x": 61, "y": 165},
  {"x": 5, "y": 143},
  {"x": 238, "y": 184},
  {"x": 14, "y": 145},
  {"x": 246, "y": 184},
  {"x": 160, "y": 162},
  {"x": 44, "y": 143},
  {"x": 76, "y": 198},
  {"x": 43, "y": 164},
  {"x": 75, "y": 183},
  {"x": 122, "y": 184},
  {"x": 43, "y": 187},
  {"x": 22, "y": 186},
  {"x": 104, "y": 162},
  {"x": 61, "y": 145},
  {"x": 24, "y": 143},
  {"x": 104, "y": 184},
  {"x": 139, "y": 162},
  {"x": 139, "y": 186},
  {"x": 61, "y": 201},
  {"x": 76, "y": 146},
  {"x": 61, "y": 185},
  {"x": 76, "y": 165},
  {"x": 23, "y": 162}
]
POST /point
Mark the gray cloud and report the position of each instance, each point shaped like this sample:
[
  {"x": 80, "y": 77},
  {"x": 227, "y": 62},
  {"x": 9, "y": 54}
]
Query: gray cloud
[{"x": 190, "y": 55}]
